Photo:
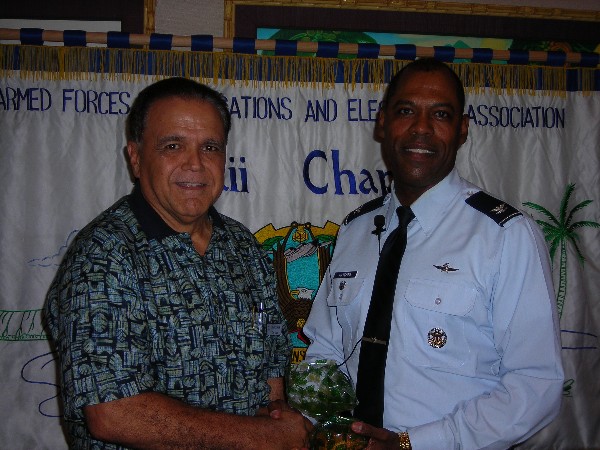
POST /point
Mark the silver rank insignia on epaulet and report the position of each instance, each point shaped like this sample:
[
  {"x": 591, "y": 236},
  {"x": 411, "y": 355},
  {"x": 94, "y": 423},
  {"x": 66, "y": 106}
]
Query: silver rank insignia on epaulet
[
  {"x": 364, "y": 208},
  {"x": 495, "y": 209}
]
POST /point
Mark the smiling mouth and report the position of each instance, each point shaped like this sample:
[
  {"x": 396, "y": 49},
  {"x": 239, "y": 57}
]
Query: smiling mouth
[
  {"x": 186, "y": 184},
  {"x": 421, "y": 151}
]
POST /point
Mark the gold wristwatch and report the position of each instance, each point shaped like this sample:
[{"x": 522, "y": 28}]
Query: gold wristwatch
[{"x": 404, "y": 441}]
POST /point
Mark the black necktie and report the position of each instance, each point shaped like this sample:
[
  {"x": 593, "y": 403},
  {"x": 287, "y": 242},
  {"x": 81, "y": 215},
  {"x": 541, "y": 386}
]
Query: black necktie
[{"x": 376, "y": 334}]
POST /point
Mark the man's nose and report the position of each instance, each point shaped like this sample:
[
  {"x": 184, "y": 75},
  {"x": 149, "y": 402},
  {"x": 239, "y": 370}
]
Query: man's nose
[
  {"x": 422, "y": 124},
  {"x": 194, "y": 159}
]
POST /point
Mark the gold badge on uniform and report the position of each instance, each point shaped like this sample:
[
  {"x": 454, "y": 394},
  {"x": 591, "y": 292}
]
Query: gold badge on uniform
[{"x": 437, "y": 337}]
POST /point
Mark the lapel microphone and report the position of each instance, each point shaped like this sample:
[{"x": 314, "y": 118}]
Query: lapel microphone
[{"x": 379, "y": 222}]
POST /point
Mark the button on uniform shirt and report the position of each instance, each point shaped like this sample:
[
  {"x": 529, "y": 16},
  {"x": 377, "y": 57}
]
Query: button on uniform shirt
[
  {"x": 474, "y": 356},
  {"x": 134, "y": 308}
]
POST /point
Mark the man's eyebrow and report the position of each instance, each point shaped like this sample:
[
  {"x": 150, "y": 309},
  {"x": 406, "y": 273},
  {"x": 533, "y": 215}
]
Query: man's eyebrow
[
  {"x": 402, "y": 101},
  {"x": 214, "y": 142},
  {"x": 169, "y": 138},
  {"x": 448, "y": 105},
  {"x": 405, "y": 102}
]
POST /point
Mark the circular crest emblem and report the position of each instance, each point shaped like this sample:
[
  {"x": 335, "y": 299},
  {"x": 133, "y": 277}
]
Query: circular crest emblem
[{"x": 437, "y": 337}]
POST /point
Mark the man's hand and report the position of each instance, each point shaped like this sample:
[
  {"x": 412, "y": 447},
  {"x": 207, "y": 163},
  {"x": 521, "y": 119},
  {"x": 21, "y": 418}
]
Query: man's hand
[
  {"x": 275, "y": 408},
  {"x": 156, "y": 421},
  {"x": 380, "y": 438},
  {"x": 290, "y": 421},
  {"x": 296, "y": 425}
]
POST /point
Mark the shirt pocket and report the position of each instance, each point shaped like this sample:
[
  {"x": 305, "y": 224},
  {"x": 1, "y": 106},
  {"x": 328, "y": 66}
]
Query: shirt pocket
[
  {"x": 345, "y": 291},
  {"x": 247, "y": 336},
  {"x": 348, "y": 296},
  {"x": 435, "y": 323}
]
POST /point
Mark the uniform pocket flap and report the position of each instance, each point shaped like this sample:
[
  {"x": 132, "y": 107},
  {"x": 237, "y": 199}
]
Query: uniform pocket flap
[{"x": 445, "y": 298}]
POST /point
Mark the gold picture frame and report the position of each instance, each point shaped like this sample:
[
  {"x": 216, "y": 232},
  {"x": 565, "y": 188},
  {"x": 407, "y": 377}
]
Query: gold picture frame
[
  {"x": 578, "y": 23},
  {"x": 149, "y": 16}
]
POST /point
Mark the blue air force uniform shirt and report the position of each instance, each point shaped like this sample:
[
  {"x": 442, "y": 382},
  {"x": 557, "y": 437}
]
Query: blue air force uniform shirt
[{"x": 474, "y": 354}]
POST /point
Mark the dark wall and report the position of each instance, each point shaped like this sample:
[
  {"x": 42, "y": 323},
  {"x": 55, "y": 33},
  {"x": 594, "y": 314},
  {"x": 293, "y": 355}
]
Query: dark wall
[{"x": 129, "y": 12}]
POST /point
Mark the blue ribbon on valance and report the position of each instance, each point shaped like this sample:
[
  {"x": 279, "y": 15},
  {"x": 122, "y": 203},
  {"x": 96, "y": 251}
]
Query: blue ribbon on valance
[
  {"x": 160, "y": 41},
  {"x": 368, "y": 50},
  {"x": 284, "y": 47},
  {"x": 482, "y": 55},
  {"x": 328, "y": 49},
  {"x": 31, "y": 36},
  {"x": 443, "y": 53},
  {"x": 202, "y": 43},
  {"x": 74, "y": 38},
  {"x": 556, "y": 59},
  {"x": 244, "y": 45},
  {"x": 589, "y": 59},
  {"x": 518, "y": 57},
  {"x": 406, "y": 51},
  {"x": 117, "y": 39}
]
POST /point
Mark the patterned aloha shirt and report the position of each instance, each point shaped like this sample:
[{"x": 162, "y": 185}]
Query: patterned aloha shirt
[{"x": 134, "y": 308}]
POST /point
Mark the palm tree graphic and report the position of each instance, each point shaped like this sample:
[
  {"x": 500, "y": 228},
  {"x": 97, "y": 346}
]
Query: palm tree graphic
[{"x": 559, "y": 232}]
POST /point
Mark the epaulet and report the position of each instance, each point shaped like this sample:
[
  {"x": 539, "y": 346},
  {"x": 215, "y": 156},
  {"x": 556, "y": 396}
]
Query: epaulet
[
  {"x": 364, "y": 208},
  {"x": 496, "y": 209}
]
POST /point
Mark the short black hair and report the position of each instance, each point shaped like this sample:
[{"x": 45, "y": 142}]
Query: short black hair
[
  {"x": 173, "y": 87},
  {"x": 427, "y": 65}
]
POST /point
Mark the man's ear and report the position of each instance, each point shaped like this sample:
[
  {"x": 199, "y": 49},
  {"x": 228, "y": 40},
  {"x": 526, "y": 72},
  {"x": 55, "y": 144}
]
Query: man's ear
[
  {"x": 134, "y": 158},
  {"x": 378, "y": 132}
]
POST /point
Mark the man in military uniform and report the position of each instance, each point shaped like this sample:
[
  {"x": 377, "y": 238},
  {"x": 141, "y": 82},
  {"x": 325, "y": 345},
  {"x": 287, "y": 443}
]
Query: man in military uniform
[{"x": 472, "y": 355}]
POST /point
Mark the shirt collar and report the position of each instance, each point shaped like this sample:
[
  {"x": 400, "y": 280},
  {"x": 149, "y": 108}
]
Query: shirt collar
[
  {"x": 150, "y": 221},
  {"x": 430, "y": 208}
]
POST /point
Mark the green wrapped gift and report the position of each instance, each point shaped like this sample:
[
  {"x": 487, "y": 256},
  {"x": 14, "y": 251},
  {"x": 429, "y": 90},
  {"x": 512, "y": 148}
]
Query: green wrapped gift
[{"x": 319, "y": 389}]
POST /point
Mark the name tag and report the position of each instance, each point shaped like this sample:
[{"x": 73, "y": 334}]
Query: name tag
[
  {"x": 345, "y": 274},
  {"x": 274, "y": 329}
]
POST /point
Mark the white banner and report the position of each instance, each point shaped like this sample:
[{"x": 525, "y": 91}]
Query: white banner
[{"x": 299, "y": 159}]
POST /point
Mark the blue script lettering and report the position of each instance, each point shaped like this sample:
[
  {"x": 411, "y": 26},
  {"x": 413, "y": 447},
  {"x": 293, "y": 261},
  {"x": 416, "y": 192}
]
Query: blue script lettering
[
  {"x": 231, "y": 176},
  {"x": 245, "y": 107},
  {"x": 93, "y": 102},
  {"x": 362, "y": 111},
  {"x": 325, "y": 110},
  {"x": 34, "y": 99},
  {"x": 516, "y": 116},
  {"x": 367, "y": 182}
]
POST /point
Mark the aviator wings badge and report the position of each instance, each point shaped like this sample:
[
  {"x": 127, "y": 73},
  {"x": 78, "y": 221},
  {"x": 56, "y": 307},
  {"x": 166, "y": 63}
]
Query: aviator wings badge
[{"x": 445, "y": 268}]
